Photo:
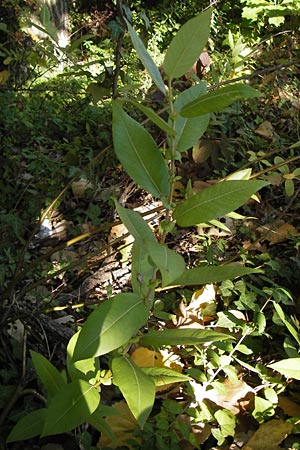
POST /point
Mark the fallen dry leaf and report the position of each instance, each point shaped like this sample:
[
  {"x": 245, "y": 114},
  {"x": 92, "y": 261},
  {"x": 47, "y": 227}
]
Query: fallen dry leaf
[
  {"x": 143, "y": 357},
  {"x": 123, "y": 425},
  {"x": 282, "y": 233},
  {"x": 234, "y": 393},
  {"x": 201, "y": 309},
  {"x": 289, "y": 407},
  {"x": 269, "y": 435},
  {"x": 265, "y": 130}
]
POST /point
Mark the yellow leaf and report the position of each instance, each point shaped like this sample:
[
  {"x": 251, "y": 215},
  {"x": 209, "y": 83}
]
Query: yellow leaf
[
  {"x": 143, "y": 357},
  {"x": 123, "y": 425},
  {"x": 269, "y": 435}
]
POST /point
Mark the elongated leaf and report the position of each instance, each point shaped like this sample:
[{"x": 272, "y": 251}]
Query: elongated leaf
[
  {"x": 70, "y": 407},
  {"x": 163, "y": 376},
  {"x": 188, "y": 131},
  {"x": 48, "y": 374},
  {"x": 138, "y": 389},
  {"x": 290, "y": 368},
  {"x": 139, "y": 154},
  {"x": 212, "y": 274},
  {"x": 187, "y": 45},
  {"x": 85, "y": 369},
  {"x": 218, "y": 99},
  {"x": 97, "y": 420},
  {"x": 154, "y": 117},
  {"x": 135, "y": 225},
  {"x": 28, "y": 427},
  {"x": 170, "y": 264},
  {"x": 215, "y": 201},
  {"x": 146, "y": 59},
  {"x": 141, "y": 270},
  {"x": 78, "y": 42},
  {"x": 187, "y": 336},
  {"x": 111, "y": 325}
]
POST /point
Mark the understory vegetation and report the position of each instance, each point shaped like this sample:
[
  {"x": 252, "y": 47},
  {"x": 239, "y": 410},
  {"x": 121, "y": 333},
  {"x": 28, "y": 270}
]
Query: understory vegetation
[{"x": 149, "y": 263}]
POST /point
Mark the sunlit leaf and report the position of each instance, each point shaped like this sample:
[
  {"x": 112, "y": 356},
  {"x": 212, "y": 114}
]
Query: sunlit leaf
[
  {"x": 70, "y": 407},
  {"x": 111, "y": 325},
  {"x": 139, "y": 393},
  {"x": 218, "y": 99},
  {"x": 187, "y": 45},
  {"x": 215, "y": 201},
  {"x": 163, "y": 376},
  {"x": 212, "y": 274},
  {"x": 187, "y": 336},
  {"x": 139, "y": 154},
  {"x": 290, "y": 367}
]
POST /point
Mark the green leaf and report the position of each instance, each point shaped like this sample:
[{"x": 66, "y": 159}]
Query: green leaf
[
  {"x": 218, "y": 99},
  {"x": 295, "y": 333},
  {"x": 146, "y": 59},
  {"x": 70, "y": 407},
  {"x": 227, "y": 422},
  {"x": 135, "y": 225},
  {"x": 138, "y": 389},
  {"x": 111, "y": 325},
  {"x": 188, "y": 131},
  {"x": 85, "y": 369},
  {"x": 187, "y": 45},
  {"x": 212, "y": 274},
  {"x": 263, "y": 409},
  {"x": 28, "y": 427},
  {"x": 170, "y": 264},
  {"x": 290, "y": 368},
  {"x": 215, "y": 201},
  {"x": 141, "y": 270},
  {"x": 48, "y": 374},
  {"x": 139, "y": 154},
  {"x": 154, "y": 117},
  {"x": 97, "y": 421},
  {"x": 162, "y": 376},
  {"x": 70, "y": 49},
  {"x": 188, "y": 336}
]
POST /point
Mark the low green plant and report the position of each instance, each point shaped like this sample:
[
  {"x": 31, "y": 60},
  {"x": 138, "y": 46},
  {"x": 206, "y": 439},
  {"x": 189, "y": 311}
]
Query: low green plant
[{"x": 99, "y": 353}]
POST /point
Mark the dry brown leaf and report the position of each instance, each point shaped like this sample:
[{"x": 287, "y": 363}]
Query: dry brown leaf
[
  {"x": 269, "y": 435},
  {"x": 289, "y": 407},
  {"x": 277, "y": 231},
  {"x": 201, "y": 309},
  {"x": 202, "y": 151},
  {"x": 234, "y": 393},
  {"x": 80, "y": 187},
  {"x": 282, "y": 233},
  {"x": 265, "y": 130},
  {"x": 123, "y": 425},
  {"x": 143, "y": 357}
]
